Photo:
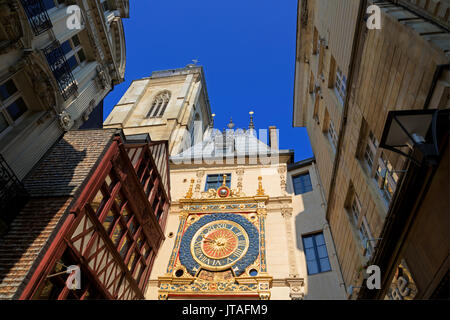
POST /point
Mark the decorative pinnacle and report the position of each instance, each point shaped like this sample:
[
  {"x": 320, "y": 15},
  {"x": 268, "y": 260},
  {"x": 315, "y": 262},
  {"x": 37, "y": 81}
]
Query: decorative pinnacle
[
  {"x": 224, "y": 183},
  {"x": 251, "y": 125},
  {"x": 231, "y": 124},
  {"x": 190, "y": 193},
  {"x": 260, "y": 191},
  {"x": 212, "y": 120}
]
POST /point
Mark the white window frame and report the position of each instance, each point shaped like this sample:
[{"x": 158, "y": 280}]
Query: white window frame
[
  {"x": 4, "y": 104},
  {"x": 332, "y": 135},
  {"x": 366, "y": 238},
  {"x": 75, "y": 52},
  {"x": 340, "y": 85},
  {"x": 370, "y": 151}
]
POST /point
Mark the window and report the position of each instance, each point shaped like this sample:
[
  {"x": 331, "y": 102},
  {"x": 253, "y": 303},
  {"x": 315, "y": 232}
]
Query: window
[
  {"x": 311, "y": 83},
  {"x": 366, "y": 238},
  {"x": 340, "y": 85},
  {"x": 159, "y": 105},
  {"x": 360, "y": 224},
  {"x": 12, "y": 106},
  {"x": 74, "y": 52},
  {"x": 316, "y": 42},
  {"x": 49, "y": 4},
  {"x": 316, "y": 253},
  {"x": 302, "y": 183},
  {"x": 332, "y": 136},
  {"x": 386, "y": 178},
  {"x": 355, "y": 209},
  {"x": 105, "y": 6},
  {"x": 370, "y": 150},
  {"x": 121, "y": 225},
  {"x": 214, "y": 181},
  {"x": 316, "y": 108}
]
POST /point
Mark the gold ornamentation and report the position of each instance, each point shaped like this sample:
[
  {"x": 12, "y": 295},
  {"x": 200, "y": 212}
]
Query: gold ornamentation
[
  {"x": 260, "y": 191},
  {"x": 189, "y": 194}
]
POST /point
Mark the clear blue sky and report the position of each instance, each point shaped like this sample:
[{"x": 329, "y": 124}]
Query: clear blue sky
[{"x": 246, "y": 47}]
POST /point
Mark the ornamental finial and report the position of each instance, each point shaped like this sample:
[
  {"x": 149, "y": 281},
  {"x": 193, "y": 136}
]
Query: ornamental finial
[
  {"x": 251, "y": 125},
  {"x": 260, "y": 191},
  {"x": 224, "y": 183},
  {"x": 190, "y": 193}
]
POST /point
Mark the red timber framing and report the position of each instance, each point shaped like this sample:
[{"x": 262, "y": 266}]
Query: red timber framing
[{"x": 113, "y": 231}]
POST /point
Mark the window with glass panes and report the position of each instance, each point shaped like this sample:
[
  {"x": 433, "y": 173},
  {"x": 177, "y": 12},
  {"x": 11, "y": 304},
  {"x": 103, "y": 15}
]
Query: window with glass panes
[
  {"x": 356, "y": 209},
  {"x": 365, "y": 237},
  {"x": 49, "y": 4},
  {"x": 55, "y": 286},
  {"x": 214, "y": 181},
  {"x": 370, "y": 150},
  {"x": 105, "y": 5},
  {"x": 302, "y": 183},
  {"x": 332, "y": 134},
  {"x": 122, "y": 227},
  {"x": 12, "y": 105},
  {"x": 340, "y": 85},
  {"x": 386, "y": 177},
  {"x": 316, "y": 253},
  {"x": 74, "y": 52}
]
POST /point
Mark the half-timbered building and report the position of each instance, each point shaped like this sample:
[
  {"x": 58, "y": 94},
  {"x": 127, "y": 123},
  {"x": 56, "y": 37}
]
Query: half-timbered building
[{"x": 94, "y": 222}]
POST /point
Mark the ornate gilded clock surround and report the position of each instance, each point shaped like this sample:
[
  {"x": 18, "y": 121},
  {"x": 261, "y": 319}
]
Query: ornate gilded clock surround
[
  {"x": 192, "y": 264},
  {"x": 252, "y": 279}
]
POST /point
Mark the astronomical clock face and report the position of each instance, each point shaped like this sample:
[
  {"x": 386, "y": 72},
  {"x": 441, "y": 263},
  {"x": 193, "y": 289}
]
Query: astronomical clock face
[{"x": 218, "y": 242}]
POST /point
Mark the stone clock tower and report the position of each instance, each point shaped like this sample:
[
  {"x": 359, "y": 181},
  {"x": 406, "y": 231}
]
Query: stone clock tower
[
  {"x": 166, "y": 105},
  {"x": 234, "y": 228}
]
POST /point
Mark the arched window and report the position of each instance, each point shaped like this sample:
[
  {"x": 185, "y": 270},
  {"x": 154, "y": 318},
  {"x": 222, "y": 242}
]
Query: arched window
[{"x": 159, "y": 105}]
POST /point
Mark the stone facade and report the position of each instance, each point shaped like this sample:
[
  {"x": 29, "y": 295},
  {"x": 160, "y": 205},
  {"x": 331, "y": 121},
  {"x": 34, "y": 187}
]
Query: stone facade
[
  {"x": 259, "y": 193},
  {"x": 347, "y": 80},
  {"x": 187, "y": 102},
  {"x": 54, "y": 75}
]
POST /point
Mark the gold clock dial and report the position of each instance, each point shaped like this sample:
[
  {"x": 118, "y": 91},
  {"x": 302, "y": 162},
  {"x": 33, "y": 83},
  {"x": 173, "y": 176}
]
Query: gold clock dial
[{"x": 219, "y": 244}]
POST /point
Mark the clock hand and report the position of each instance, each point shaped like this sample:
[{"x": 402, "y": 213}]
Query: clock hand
[{"x": 208, "y": 240}]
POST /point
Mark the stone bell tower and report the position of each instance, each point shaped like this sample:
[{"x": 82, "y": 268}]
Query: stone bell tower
[{"x": 165, "y": 105}]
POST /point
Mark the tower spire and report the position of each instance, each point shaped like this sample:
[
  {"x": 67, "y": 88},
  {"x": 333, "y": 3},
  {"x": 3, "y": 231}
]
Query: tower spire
[
  {"x": 231, "y": 124},
  {"x": 251, "y": 125}
]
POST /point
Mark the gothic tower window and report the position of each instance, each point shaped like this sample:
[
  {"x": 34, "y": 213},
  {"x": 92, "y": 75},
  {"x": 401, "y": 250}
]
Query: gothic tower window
[{"x": 159, "y": 105}]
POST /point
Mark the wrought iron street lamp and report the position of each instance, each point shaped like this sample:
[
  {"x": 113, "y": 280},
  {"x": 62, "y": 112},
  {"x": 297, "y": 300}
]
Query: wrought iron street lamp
[{"x": 419, "y": 130}]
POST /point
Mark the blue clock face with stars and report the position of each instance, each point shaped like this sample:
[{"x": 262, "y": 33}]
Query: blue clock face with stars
[{"x": 218, "y": 242}]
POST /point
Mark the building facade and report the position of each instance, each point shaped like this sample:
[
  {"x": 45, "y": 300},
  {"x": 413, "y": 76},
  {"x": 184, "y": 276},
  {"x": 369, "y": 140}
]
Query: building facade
[
  {"x": 58, "y": 60},
  {"x": 165, "y": 105},
  {"x": 348, "y": 77},
  {"x": 235, "y": 230},
  {"x": 94, "y": 221}
]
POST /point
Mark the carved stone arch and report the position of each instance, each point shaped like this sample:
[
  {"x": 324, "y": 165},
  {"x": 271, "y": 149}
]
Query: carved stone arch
[
  {"x": 118, "y": 40},
  {"x": 44, "y": 82},
  {"x": 27, "y": 34},
  {"x": 159, "y": 104}
]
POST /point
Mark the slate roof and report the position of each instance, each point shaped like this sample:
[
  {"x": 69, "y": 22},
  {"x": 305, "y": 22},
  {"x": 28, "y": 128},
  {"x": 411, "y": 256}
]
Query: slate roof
[
  {"x": 52, "y": 185},
  {"x": 232, "y": 143},
  {"x": 26, "y": 241},
  {"x": 68, "y": 163}
]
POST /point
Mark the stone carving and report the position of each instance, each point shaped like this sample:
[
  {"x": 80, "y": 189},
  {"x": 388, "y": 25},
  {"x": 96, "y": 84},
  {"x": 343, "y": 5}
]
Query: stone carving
[
  {"x": 102, "y": 79},
  {"x": 65, "y": 120},
  {"x": 296, "y": 285},
  {"x": 200, "y": 175},
  {"x": 282, "y": 173}
]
